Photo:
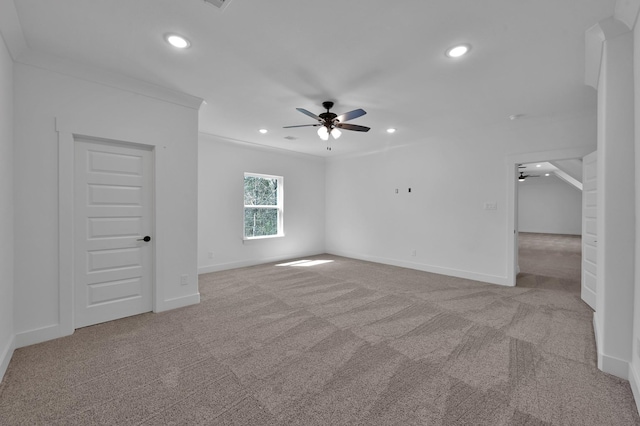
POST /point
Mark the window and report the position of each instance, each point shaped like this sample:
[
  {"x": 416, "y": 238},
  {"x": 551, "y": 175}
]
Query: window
[{"x": 263, "y": 206}]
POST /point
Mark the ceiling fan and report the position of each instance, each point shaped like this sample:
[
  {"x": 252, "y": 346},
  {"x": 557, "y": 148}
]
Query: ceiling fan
[
  {"x": 330, "y": 123},
  {"x": 522, "y": 176}
]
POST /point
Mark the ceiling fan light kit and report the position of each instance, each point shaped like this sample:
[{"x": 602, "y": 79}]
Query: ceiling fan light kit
[{"x": 330, "y": 123}]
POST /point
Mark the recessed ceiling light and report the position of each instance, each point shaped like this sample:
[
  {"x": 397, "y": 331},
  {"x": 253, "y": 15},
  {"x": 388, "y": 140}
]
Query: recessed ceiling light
[
  {"x": 391, "y": 130},
  {"x": 457, "y": 51},
  {"x": 263, "y": 131},
  {"x": 546, "y": 174},
  {"x": 177, "y": 41},
  {"x": 538, "y": 165}
]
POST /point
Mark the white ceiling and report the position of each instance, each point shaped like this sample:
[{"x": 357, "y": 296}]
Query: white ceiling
[{"x": 256, "y": 61}]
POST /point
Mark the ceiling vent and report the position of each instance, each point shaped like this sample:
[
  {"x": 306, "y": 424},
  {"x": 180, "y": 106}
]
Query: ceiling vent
[{"x": 220, "y": 4}]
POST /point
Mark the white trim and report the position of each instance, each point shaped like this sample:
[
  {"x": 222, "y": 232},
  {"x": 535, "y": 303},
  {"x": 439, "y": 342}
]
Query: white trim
[
  {"x": 511, "y": 167},
  {"x": 596, "y": 335},
  {"x": 107, "y": 78},
  {"x": 609, "y": 364},
  {"x": 38, "y": 335},
  {"x": 252, "y": 262},
  {"x": 634, "y": 381},
  {"x": 279, "y": 207},
  {"x": 593, "y": 40},
  {"x": 627, "y": 11},
  {"x": 5, "y": 356},
  {"x": 614, "y": 366},
  {"x": 66, "y": 216},
  {"x": 460, "y": 273},
  {"x": 595, "y": 37},
  {"x": 178, "y": 302},
  {"x": 213, "y": 138},
  {"x": 11, "y": 29},
  {"x": 246, "y": 240},
  {"x": 65, "y": 231}
]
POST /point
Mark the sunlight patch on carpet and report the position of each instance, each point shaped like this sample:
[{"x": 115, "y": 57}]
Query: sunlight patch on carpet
[{"x": 305, "y": 263}]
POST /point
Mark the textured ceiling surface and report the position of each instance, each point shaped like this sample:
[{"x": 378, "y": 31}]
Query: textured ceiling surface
[{"x": 254, "y": 62}]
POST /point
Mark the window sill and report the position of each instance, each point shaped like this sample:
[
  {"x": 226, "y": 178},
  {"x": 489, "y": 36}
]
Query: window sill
[{"x": 266, "y": 237}]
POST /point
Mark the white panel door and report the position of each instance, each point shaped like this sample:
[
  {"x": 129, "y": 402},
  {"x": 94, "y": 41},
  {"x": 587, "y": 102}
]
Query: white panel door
[
  {"x": 589, "y": 228},
  {"x": 113, "y": 273}
]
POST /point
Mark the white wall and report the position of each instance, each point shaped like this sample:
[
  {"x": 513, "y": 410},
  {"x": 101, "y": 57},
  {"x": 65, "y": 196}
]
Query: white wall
[
  {"x": 443, "y": 218},
  {"x": 44, "y": 100},
  {"x": 221, "y": 168},
  {"x": 6, "y": 208},
  {"x": 634, "y": 370},
  {"x": 549, "y": 205}
]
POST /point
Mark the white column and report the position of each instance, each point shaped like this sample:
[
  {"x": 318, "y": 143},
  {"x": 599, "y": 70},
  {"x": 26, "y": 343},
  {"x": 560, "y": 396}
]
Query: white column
[{"x": 616, "y": 200}]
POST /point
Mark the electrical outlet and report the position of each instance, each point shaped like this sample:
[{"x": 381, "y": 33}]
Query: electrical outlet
[
  {"x": 210, "y": 255},
  {"x": 413, "y": 252},
  {"x": 491, "y": 206},
  {"x": 184, "y": 279}
]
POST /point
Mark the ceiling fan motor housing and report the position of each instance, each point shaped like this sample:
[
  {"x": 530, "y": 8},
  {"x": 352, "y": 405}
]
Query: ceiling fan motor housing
[{"x": 327, "y": 118}]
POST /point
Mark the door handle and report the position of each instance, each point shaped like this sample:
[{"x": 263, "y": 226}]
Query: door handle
[{"x": 145, "y": 239}]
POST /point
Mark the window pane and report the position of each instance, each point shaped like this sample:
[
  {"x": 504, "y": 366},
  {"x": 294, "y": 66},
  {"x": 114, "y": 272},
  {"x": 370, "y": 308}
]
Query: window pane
[
  {"x": 260, "y": 222},
  {"x": 260, "y": 191}
]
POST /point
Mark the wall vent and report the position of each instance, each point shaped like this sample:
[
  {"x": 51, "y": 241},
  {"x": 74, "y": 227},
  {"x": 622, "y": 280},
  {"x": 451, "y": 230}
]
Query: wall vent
[
  {"x": 291, "y": 138},
  {"x": 220, "y": 4}
]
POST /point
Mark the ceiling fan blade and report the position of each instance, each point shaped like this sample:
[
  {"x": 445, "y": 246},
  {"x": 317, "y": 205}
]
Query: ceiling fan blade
[
  {"x": 301, "y": 125},
  {"x": 351, "y": 115},
  {"x": 309, "y": 113},
  {"x": 347, "y": 126}
]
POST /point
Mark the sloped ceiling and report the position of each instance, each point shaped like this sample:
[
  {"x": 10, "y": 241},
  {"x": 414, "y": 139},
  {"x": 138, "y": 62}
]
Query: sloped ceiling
[{"x": 254, "y": 62}]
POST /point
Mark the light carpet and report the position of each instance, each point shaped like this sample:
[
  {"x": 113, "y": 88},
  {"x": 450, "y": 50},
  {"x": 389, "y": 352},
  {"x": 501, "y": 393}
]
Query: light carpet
[{"x": 336, "y": 343}]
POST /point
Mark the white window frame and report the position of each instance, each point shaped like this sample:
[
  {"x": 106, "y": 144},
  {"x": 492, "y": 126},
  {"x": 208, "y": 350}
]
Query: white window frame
[{"x": 279, "y": 206}]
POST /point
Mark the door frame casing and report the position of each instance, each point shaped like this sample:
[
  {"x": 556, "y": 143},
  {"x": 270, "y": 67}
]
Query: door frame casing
[
  {"x": 66, "y": 218},
  {"x": 587, "y": 294},
  {"x": 512, "y": 196}
]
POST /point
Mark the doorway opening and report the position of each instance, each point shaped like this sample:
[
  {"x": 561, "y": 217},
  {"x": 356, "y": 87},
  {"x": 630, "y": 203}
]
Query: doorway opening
[
  {"x": 550, "y": 224},
  {"x": 513, "y": 170}
]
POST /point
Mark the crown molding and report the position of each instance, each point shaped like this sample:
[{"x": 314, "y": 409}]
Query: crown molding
[
  {"x": 595, "y": 38},
  {"x": 11, "y": 29},
  {"x": 107, "y": 78},
  {"x": 627, "y": 11},
  {"x": 21, "y": 53}
]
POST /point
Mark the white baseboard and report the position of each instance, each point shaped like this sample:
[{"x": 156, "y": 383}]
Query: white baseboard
[
  {"x": 607, "y": 363},
  {"x": 5, "y": 356},
  {"x": 492, "y": 279},
  {"x": 39, "y": 335},
  {"x": 179, "y": 302},
  {"x": 251, "y": 262},
  {"x": 595, "y": 333},
  {"x": 614, "y": 366},
  {"x": 634, "y": 381},
  {"x": 56, "y": 331}
]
